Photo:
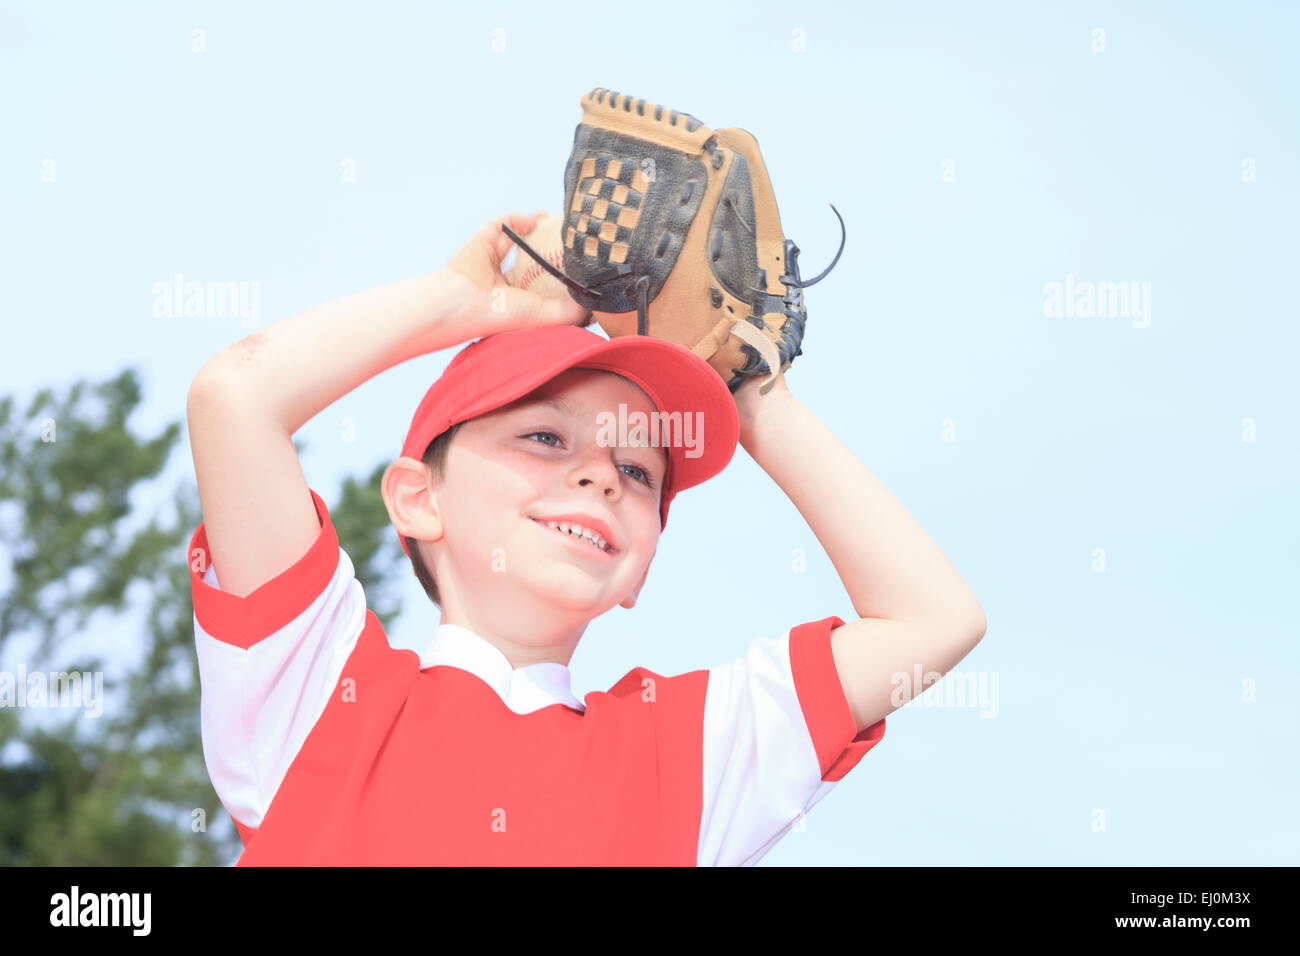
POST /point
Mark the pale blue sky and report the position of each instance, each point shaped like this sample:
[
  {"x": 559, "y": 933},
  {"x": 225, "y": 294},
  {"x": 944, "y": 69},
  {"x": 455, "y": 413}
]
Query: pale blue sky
[{"x": 1124, "y": 688}]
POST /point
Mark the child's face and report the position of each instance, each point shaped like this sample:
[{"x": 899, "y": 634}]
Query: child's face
[{"x": 531, "y": 460}]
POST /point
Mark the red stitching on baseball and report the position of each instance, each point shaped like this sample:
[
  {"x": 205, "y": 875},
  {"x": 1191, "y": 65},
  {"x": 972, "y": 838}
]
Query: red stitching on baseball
[{"x": 534, "y": 270}]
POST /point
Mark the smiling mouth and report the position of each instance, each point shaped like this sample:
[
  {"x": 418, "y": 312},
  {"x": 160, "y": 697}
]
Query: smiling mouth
[{"x": 608, "y": 551}]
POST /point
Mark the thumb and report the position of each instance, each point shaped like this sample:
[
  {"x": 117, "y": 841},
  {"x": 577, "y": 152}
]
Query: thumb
[
  {"x": 563, "y": 311},
  {"x": 570, "y": 312},
  {"x": 533, "y": 309}
]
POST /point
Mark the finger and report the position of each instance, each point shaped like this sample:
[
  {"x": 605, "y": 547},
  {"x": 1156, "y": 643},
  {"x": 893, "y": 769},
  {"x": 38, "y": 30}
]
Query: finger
[
  {"x": 530, "y": 309},
  {"x": 502, "y": 244},
  {"x": 564, "y": 311},
  {"x": 518, "y": 221},
  {"x": 521, "y": 223},
  {"x": 499, "y": 242}
]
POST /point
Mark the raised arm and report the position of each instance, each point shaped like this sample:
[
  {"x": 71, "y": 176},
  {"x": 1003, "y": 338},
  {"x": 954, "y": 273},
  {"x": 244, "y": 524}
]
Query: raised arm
[
  {"x": 245, "y": 403},
  {"x": 915, "y": 609}
]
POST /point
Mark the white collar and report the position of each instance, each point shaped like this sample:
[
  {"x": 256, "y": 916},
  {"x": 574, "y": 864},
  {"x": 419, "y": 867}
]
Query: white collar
[{"x": 522, "y": 689}]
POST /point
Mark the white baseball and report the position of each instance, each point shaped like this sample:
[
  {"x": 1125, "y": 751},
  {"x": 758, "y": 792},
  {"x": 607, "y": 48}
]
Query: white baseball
[{"x": 546, "y": 240}]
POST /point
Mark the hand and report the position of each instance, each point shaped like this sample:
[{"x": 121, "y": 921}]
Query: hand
[{"x": 480, "y": 296}]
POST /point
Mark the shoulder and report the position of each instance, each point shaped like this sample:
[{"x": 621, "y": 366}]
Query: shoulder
[
  {"x": 645, "y": 695},
  {"x": 641, "y": 683}
]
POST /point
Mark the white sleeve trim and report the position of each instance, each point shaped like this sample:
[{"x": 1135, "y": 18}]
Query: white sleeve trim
[
  {"x": 258, "y": 705},
  {"x": 760, "y": 768}
]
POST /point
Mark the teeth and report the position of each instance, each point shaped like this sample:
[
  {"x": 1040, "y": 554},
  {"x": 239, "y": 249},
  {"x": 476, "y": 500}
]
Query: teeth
[{"x": 579, "y": 531}]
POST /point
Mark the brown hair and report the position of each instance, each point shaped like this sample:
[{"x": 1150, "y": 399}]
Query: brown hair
[{"x": 435, "y": 460}]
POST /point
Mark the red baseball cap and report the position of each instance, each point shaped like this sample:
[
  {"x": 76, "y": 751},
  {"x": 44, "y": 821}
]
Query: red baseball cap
[{"x": 498, "y": 369}]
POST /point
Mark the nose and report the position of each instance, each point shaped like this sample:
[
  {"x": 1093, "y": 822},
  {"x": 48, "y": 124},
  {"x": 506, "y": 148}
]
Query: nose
[{"x": 597, "y": 468}]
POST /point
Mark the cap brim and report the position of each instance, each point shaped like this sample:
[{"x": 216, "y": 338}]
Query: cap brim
[{"x": 701, "y": 427}]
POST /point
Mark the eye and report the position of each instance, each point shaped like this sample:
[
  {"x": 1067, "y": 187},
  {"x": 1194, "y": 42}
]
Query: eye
[{"x": 645, "y": 475}]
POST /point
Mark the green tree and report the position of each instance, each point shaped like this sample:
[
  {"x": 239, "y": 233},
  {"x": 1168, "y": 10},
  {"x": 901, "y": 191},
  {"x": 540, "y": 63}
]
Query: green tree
[{"x": 86, "y": 514}]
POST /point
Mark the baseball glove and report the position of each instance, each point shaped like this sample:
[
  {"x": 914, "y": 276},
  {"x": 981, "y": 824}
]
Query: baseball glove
[{"x": 661, "y": 209}]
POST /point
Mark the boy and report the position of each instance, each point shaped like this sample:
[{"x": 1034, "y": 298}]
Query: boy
[{"x": 524, "y": 522}]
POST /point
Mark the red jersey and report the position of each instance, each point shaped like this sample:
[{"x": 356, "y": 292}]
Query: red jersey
[{"x": 330, "y": 747}]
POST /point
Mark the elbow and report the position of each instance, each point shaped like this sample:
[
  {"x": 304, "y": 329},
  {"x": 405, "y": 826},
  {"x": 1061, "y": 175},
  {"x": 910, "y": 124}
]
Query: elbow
[
  {"x": 971, "y": 616},
  {"x": 956, "y": 628},
  {"x": 213, "y": 395},
  {"x": 962, "y": 614},
  {"x": 205, "y": 391},
  {"x": 213, "y": 384},
  {"x": 231, "y": 368},
  {"x": 968, "y": 620}
]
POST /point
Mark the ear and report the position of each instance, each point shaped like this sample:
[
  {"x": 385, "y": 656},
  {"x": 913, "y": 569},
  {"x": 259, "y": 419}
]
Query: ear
[
  {"x": 411, "y": 500},
  {"x": 630, "y": 600}
]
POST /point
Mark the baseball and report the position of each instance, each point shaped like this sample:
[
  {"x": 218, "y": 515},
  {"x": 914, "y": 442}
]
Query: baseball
[{"x": 525, "y": 273}]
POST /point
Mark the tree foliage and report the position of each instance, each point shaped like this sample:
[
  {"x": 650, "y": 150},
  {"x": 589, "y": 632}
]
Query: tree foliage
[{"x": 95, "y": 542}]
